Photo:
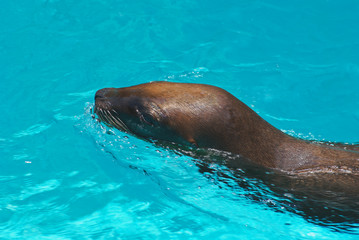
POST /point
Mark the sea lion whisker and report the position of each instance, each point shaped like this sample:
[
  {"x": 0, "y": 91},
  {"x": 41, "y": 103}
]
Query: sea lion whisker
[
  {"x": 113, "y": 121},
  {"x": 104, "y": 117},
  {"x": 118, "y": 122},
  {"x": 118, "y": 118},
  {"x": 109, "y": 118},
  {"x": 99, "y": 113}
]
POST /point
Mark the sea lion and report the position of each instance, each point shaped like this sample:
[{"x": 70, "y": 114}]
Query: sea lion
[
  {"x": 316, "y": 180},
  {"x": 205, "y": 116}
]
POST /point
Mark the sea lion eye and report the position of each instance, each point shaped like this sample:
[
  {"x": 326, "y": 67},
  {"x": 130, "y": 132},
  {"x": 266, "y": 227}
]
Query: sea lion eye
[{"x": 145, "y": 117}]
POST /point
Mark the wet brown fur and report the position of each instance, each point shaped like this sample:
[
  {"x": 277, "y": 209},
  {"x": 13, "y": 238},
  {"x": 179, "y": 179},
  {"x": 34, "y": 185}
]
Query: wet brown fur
[{"x": 209, "y": 117}]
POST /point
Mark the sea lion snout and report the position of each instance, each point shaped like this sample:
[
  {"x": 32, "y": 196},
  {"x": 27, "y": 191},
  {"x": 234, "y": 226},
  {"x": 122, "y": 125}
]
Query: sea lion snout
[{"x": 103, "y": 98}]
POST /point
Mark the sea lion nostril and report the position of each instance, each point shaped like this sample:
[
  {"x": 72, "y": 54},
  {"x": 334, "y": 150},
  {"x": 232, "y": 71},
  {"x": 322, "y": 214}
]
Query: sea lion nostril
[
  {"x": 98, "y": 96},
  {"x": 101, "y": 93}
]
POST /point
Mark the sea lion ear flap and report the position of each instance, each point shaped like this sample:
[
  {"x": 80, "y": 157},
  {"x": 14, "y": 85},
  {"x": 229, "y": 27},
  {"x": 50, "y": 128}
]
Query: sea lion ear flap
[{"x": 192, "y": 142}]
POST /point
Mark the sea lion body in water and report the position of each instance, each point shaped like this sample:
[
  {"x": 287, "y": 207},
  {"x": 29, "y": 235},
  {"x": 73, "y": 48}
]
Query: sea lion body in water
[
  {"x": 206, "y": 116},
  {"x": 314, "y": 180}
]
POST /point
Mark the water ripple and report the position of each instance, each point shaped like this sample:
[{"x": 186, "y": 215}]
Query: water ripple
[{"x": 33, "y": 130}]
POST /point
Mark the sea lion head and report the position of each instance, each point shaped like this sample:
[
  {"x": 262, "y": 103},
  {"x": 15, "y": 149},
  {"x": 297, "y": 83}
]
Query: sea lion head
[{"x": 189, "y": 114}]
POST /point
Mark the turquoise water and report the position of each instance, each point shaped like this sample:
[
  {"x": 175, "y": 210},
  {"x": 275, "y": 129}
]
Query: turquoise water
[{"x": 64, "y": 176}]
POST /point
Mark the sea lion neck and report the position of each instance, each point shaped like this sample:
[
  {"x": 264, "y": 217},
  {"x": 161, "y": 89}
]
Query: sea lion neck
[
  {"x": 267, "y": 146},
  {"x": 256, "y": 139}
]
